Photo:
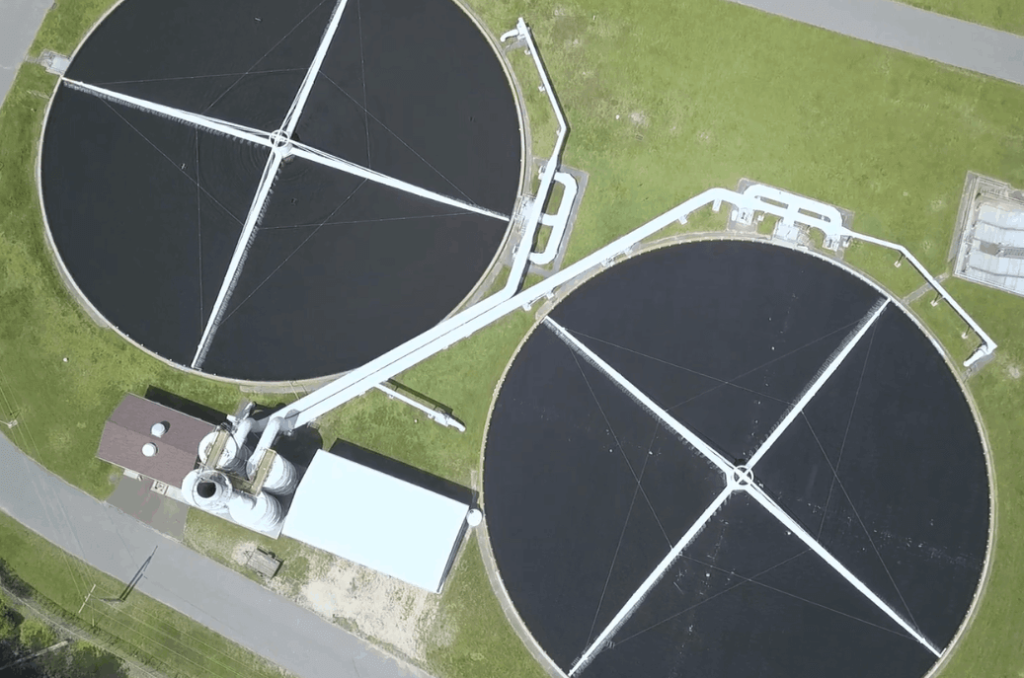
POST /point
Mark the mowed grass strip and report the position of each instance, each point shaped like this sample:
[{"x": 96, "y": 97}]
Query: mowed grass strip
[{"x": 140, "y": 626}]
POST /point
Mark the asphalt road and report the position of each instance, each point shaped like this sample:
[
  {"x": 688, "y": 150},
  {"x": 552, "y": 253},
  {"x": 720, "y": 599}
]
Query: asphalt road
[
  {"x": 19, "y": 22},
  {"x": 216, "y": 597},
  {"x": 908, "y": 29}
]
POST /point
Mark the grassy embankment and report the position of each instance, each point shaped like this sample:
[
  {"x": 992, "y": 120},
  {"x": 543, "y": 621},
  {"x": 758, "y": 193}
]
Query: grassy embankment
[{"x": 664, "y": 102}]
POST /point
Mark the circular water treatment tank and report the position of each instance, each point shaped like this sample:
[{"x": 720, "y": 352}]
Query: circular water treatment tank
[
  {"x": 734, "y": 459},
  {"x": 261, "y": 263}
]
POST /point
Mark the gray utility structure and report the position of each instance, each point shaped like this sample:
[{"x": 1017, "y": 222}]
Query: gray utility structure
[{"x": 989, "y": 240}]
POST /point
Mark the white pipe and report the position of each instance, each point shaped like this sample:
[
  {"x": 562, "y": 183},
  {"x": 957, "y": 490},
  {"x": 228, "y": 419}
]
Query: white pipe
[
  {"x": 393, "y": 362},
  {"x": 497, "y": 306},
  {"x": 241, "y": 432},
  {"x": 988, "y": 344},
  {"x": 558, "y": 222},
  {"x": 270, "y": 431},
  {"x": 439, "y": 417},
  {"x": 829, "y": 218},
  {"x": 460, "y": 326},
  {"x": 547, "y": 174},
  {"x": 831, "y": 224}
]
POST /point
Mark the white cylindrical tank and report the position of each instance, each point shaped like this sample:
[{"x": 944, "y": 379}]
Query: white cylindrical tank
[
  {"x": 208, "y": 490},
  {"x": 232, "y": 459},
  {"x": 282, "y": 477},
  {"x": 261, "y": 513}
]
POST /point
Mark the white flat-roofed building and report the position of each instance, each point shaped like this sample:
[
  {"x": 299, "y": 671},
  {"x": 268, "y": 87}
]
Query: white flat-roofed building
[{"x": 377, "y": 520}]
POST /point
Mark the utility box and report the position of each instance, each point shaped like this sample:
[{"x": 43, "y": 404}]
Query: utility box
[{"x": 263, "y": 563}]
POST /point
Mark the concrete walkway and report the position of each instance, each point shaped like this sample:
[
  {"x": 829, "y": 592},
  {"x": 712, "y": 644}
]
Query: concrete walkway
[
  {"x": 216, "y": 597},
  {"x": 19, "y": 22},
  {"x": 908, "y": 29}
]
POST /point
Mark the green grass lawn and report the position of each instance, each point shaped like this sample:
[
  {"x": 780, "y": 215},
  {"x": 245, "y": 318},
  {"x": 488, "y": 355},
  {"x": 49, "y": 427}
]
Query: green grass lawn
[
  {"x": 1006, "y": 15},
  {"x": 217, "y": 538},
  {"x": 664, "y": 100},
  {"x": 143, "y": 628}
]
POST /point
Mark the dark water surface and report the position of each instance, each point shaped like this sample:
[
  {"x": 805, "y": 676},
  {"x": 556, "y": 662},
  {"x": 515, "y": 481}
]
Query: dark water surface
[{"x": 585, "y": 491}]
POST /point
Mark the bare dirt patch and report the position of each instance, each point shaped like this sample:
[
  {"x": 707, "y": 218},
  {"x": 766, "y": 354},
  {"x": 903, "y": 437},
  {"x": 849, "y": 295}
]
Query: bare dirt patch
[
  {"x": 241, "y": 552},
  {"x": 374, "y": 605}
]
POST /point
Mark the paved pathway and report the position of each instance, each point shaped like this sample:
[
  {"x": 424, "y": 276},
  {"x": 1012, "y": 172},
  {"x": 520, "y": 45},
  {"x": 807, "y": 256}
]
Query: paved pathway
[
  {"x": 908, "y": 29},
  {"x": 19, "y": 23},
  {"x": 208, "y": 592}
]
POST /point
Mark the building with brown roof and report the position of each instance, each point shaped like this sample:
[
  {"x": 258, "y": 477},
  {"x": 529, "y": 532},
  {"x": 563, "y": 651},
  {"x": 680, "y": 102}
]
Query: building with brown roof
[{"x": 152, "y": 440}]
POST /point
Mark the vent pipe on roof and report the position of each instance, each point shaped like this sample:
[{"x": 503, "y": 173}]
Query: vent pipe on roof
[
  {"x": 158, "y": 429},
  {"x": 241, "y": 432},
  {"x": 149, "y": 450}
]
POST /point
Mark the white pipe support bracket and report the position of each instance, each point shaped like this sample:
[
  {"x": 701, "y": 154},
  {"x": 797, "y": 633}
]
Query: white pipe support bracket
[{"x": 558, "y": 221}]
